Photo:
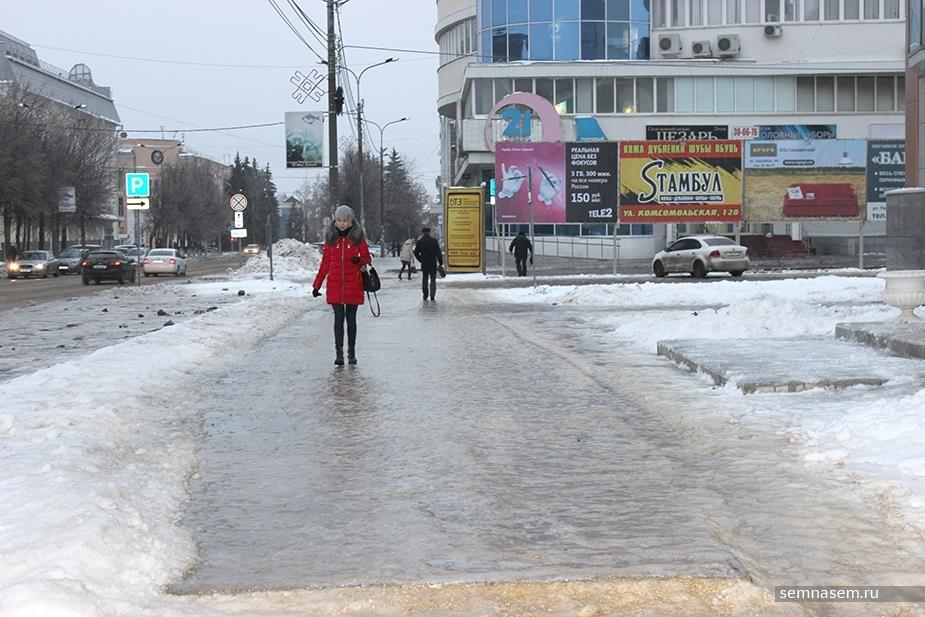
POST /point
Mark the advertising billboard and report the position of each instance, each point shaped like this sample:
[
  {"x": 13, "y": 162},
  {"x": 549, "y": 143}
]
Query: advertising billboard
[
  {"x": 805, "y": 179},
  {"x": 765, "y": 132},
  {"x": 886, "y": 170},
  {"x": 680, "y": 182},
  {"x": 464, "y": 229},
  {"x": 535, "y": 168},
  {"x": 591, "y": 181},
  {"x": 661, "y": 132},
  {"x": 304, "y": 139}
]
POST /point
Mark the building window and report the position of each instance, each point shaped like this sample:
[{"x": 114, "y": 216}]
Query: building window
[
  {"x": 830, "y": 9},
  {"x": 852, "y": 9},
  {"x": 624, "y": 96},
  {"x": 703, "y": 94},
  {"x": 825, "y": 94},
  {"x": 593, "y": 41},
  {"x": 786, "y": 93},
  {"x": 886, "y": 99},
  {"x": 516, "y": 11},
  {"x": 541, "y": 41},
  {"x": 618, "y": 41},
  {"x": 772, "y": 11},
  {"x": 764, "y": 94},
  {"x": 484, "y": 99},
  {"x": 865, "y": 93},
  {"x": 540, "y": 10},
  {"x": 565, "y": 96},
  {"x": 791, "y": 10},
  {"x": 584, "y": 95},
  {"x": 644, "y": 95},
  {"x": 684, "y": 95},
  {"x": 745, "y": 94},
  {"x": 566, "y": 9},
  {"x": 725, "y": 94},
  {"x": 592, "y": 9},
  {"x": 695, "y": 10},
  {"x": 523, "y": 85},
  {"x": 605, "y": 98},
  {"x": 871, "y": 9},
  {"x": 566, "y": 40},
  {"x": 806, "y": 94},
  {"x": 518, "y": 44},
  {"x": 752, "y": 11},
  {"x": 845, "y": 93},
  {"x": 664, "y": 95},
  {"x": 714, "y": 12},
  {"x": 544, "y": 88},
  {"x": 890, "y": 9},
  {"x": 499, "y": 45},
  {"x": 811, "y": 10},
  {"x": 498, "y": 12},
  {"x": 618, "y": 10}
]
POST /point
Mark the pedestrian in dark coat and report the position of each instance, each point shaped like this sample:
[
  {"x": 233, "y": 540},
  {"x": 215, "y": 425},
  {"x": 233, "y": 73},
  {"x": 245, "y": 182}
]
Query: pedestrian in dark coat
[
  {"x": 345, "y": 253},
  {"x": 427, "y": 251},
  {"x": 519, "y": 246}
]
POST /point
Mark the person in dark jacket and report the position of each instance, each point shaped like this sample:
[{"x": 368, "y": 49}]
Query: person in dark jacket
[
  {"x": 345, "y": 253},
  {"x": 427, "y": 251},
  {"x": 519, "y": 246}
]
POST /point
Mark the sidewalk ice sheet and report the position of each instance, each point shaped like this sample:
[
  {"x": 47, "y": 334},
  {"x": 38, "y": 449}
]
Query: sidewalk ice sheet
[{"x": 787, "y": 365}]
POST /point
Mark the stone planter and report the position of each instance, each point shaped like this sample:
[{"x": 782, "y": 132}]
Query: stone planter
[{"x": 905, "y": 289}]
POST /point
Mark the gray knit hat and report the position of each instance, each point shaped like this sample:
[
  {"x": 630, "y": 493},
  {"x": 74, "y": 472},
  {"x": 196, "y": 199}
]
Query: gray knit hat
[{"x": 344, "y": 212}]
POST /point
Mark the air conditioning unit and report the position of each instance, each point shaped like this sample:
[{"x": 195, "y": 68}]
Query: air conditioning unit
[
  {"x": 669, "y": 44},
  {"x": 727, "y": 45},
  {"x": 701, "y": 49},
  {"x": 772, "y": 31}
]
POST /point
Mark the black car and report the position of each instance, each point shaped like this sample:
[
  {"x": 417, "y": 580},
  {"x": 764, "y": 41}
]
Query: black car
[{"x": 106, "y": 264}]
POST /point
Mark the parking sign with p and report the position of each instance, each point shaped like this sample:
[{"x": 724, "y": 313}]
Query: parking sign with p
[{"x": 137, "y": 185}]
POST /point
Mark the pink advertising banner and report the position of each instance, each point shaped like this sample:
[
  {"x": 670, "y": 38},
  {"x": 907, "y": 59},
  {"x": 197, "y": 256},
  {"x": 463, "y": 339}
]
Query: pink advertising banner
[{"x": 516, "y": 164}]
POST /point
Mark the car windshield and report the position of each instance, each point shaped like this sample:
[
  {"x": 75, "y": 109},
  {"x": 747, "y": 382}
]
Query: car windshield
[
  {"x": 161, "y": 253},
  {"x": 719, "y": 242},
  {"x": 33, "y": 255},
  {"x": 69, "y": 253},
  {"x": 105, "y": 254}
]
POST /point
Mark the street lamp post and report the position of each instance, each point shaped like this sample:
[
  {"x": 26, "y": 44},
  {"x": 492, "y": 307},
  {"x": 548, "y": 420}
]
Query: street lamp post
[
  {"x": 360, "y": 131},
  {"x": 382, "y": 174}
]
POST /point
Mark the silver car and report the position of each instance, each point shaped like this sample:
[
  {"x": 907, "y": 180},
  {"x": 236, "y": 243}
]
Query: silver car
[
  {"x": 697, "y": 255},
  {"x": 164, "y": 261},
  {"x": 33, "y": 263}
]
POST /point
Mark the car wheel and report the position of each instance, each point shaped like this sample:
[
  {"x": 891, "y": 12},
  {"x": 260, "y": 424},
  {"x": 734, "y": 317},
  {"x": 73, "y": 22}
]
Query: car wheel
[
  {"x": 659, "y": 269},
  {"x": 97, "y": 281},
  {"x": 45, "y": 276},
  {"x": 737, "y": 272},
  {"x": 147, "y": 274},
  {"x": 177, "y": 271},
  {"x": 86, "y": 280},
  {"x": 700, "y": 270},
  {"x": 56, "y": 274}
]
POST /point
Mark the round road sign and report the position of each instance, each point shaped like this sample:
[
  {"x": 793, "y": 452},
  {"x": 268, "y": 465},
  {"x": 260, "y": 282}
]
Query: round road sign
[{"x": 238, "y": 202}]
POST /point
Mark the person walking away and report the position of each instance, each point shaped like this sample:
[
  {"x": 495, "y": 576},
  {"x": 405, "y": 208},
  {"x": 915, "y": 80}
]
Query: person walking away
[
  {"x": 427, "y": 251},
  {"x": 345, "y": 253},
  {"x": 519, "y": 246},
  {"x": 406, "y": 255}
]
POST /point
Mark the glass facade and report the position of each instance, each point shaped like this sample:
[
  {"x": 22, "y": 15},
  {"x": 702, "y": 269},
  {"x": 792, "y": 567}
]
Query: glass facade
[{"x": 515, "y": 30}]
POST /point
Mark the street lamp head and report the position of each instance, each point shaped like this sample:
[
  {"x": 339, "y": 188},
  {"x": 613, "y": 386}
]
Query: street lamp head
[
  {"x": 80, "y": 106},
  {"x": 392, "y": 59}
]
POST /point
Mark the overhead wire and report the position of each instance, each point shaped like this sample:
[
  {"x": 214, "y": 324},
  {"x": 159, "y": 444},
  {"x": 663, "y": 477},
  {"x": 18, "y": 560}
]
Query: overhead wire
[{"x": 292, "y": 27}]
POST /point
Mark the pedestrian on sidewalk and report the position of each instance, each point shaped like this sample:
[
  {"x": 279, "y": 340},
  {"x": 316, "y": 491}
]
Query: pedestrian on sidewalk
[
  {"x": 519, "y": 246},
  {"x": 345, "y": 253},
  {"x": 427, "y": 251},
  {"x": 406, "y": 255}
]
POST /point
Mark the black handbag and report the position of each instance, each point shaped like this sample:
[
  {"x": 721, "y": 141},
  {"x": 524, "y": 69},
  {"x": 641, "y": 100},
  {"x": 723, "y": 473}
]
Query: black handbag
[{"x": 372, "y": 284}]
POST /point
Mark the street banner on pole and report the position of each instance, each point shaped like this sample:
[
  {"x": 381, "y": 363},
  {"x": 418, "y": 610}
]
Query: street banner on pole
[
  {"x": 680, "y": 182},
  {"x": 304, "y": 139},
  {"x": 464, "y": 229},
  {"x": 67, "y": 199}
]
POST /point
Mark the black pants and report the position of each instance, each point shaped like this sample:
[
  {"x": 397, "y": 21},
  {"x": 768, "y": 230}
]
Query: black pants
[
  {"x": 521, "y": 265},
  {"x": 405, "y": 264},
  {"x": 432, "y": 277},
  {"x": 342, "y": 311}
]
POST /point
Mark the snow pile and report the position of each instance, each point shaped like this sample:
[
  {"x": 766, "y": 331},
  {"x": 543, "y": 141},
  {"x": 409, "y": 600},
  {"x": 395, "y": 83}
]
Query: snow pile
[
  {"x": 97, "y": 452},
  {"x": 291, "y": 260}
]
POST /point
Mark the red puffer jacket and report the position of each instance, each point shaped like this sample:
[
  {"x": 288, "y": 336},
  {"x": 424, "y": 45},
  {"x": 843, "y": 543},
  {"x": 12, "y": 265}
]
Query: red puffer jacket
[{"x": 345, "y": 284}]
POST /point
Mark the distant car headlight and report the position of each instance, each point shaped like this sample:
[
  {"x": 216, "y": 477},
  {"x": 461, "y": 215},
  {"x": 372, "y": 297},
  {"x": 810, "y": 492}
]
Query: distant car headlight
[{"x": 39, "y": 266}]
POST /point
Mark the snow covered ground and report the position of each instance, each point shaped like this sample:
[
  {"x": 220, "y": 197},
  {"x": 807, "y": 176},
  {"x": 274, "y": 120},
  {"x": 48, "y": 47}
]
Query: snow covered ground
[{"x": 97, "y": 442}]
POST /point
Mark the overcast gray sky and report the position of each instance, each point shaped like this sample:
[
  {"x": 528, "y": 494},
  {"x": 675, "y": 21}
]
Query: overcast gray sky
[{"x": 180, "y": 94}]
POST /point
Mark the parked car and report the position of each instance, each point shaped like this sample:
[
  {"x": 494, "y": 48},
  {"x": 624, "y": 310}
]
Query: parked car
[
  {"x": 164, "y": 261},
  {"x": 375, "y": 250},
  {"x": 106, "y": 264},
  {"x": 69, "y": 259},
  {"x": 698, "y": 255},
  {"x": 33, "y": 263},
  {"x": 251, "y": 249}
]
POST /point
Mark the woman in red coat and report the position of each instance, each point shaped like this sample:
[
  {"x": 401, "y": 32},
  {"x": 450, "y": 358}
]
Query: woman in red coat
[{"x": 345, "y": 253}]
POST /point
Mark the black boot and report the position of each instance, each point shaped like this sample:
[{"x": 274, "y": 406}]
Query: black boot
[
  {"x": 339, "y": 358},
  {"x": 351, "y": 354}
]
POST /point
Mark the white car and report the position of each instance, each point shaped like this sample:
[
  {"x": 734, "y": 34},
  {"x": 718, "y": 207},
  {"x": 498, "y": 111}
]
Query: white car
[
  {"x": 697, "y": 255},
  {"x": 164, "y": 261}
]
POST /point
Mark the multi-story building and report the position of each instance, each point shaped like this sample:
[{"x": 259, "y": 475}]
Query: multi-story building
[
  {"x": 74, "y": 91},
  {"x": 635, "y": 69}
]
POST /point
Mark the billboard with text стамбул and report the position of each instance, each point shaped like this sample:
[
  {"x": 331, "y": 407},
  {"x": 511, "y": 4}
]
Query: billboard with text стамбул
[{"x": 680, "y": 181}]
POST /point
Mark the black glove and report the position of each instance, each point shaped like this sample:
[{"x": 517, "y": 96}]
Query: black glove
[
  {"x": 316, "y": 292},
  {"x": 531, "y": 260},
  {"x": 355, "y": 260},
  {"x": 442, "y": 272}
]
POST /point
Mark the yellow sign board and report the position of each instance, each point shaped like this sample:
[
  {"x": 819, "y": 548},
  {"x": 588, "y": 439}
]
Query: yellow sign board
[{"x": 464, "y": 229}]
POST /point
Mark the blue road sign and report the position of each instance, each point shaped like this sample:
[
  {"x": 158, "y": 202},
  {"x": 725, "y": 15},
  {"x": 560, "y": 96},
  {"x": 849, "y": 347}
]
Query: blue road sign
[{"x": 137, "y": 185}]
